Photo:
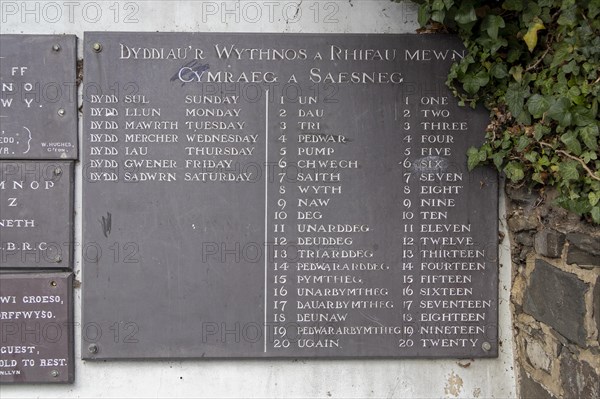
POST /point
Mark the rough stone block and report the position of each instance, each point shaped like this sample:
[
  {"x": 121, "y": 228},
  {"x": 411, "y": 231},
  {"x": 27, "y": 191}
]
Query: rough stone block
[
  {"x": 578, "y": 378},
  {"x": 519, "y": 222},
  {"x": 584, "y": 249},
  {"x": 522, "y": 195},
  {"x": 537, "y": 356},
  {"x": 582, "y": 258},
  {"x": 556, "y": 298},
  {"x": 585, "y": 242},
  {"x": 549, "y": 243},
  {"x": 531, "y": 389},
  {"x": 525, "y": 238}
]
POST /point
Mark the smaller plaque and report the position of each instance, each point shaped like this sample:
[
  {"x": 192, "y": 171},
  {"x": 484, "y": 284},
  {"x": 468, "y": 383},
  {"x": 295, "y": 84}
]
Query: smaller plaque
[
  {"x": 36, "y": 215},
  {"x": 36, "y": 328},
  {"x": 38, "y": 97}
]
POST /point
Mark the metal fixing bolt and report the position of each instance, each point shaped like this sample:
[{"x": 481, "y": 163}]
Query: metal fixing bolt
[
  {"x": 58, "y": 259},
  {"x": 57, "y": 172},
  {"x": 56, "y": 47},
  {"x": 486, "y": 346},
  {"x": 54, "y": 373},
  {"x": 97, "y": 47},
  {"x": 62, "y": 112},
  {"x": 93, "y": 348}
]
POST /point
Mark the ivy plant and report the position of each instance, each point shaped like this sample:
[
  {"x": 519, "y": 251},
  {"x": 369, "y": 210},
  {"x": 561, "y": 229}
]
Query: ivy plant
[{"x": 536, "y": 66}]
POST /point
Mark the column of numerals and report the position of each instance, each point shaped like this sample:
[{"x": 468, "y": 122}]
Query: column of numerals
[
  {"x": 409, "y": 246},
  {"x": 281, "y": 266}
]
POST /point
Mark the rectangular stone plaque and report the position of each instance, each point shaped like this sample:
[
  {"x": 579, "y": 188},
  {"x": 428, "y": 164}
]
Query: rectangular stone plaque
[
  {"x": 38, "y": 97},
  {"x": 36, "y": 214},
  {"x": 36, "y": 328},
  {"x": 259, "y": 195}
]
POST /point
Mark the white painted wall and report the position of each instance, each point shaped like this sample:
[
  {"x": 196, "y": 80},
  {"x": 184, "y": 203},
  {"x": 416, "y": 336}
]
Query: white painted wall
[{"x": 491, "y": 378}]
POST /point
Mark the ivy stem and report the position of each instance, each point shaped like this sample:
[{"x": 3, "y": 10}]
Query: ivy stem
[
  {"x": 583, "y": 164},
  {"x": 540, "y": 59},
  {"x": 590, "y": 172}
]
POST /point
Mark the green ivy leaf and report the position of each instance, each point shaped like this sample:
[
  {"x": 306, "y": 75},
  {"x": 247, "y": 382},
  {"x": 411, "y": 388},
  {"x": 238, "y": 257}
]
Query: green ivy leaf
[
  {"x": 540, "y": 131},
  {"x": 568, "y": 17},
  {"x": 438, "y": 5},
  {"x": 513, "y": 5},
  {"x": 438, "y": 16},
  {"x": 577, "y": 205},
  {"x": 571, "y": 67},
  {"x": 544, "y": 161},
  {"x": 517, "y": 73},
  {"x": 531, "y": 156},
  {"x": 589, "y": 135},
  {"x": 514, "y": 53},
  {"x": 523, "y": 143},
  {"x": 559, "y": 110},
  {"x": 571, "y": 141},
  {"x": 588, "y": 156},
  {"x": 524, "y": 118},
  {"x": 568, "y": 170},
  {"x": 499, "y": 71},
  {"x": 545, "y": 3},
  {"x": 465, "y": 14},
  {"x": 564, "y": 4},
  {"x": 573, "y": 92},
  {"x": 491, "y": 24},
  {"x": 498, "y": 159},
  {"x": 594, "y": 198},
  {"x": 515, "y": 98},
  {"x": 423, "y": 15},
  {"x": 596, "y": 214},
  {"x": 563, "y": 53},
  {"x": 537, "y": 105},
  {"x": 514, "y": 171},
  {"x": 531, "y": 12},
  {"x": 583, "y": 116},
  {"x": 594, "y": 9},
  {"x": 473, "y": 158},
  {"x": 594, "y": 109},
  {"x": 472, "y": 83},
  {"x": 490, "y": 45}
]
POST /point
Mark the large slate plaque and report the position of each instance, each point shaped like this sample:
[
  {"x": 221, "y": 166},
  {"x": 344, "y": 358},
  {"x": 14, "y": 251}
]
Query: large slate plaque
[
  {"x": 258, "y": 195},
  {"x": 36, "y": 214},
  {"x": 36, "y": 328},
  {"x": 38, "y": 97}
]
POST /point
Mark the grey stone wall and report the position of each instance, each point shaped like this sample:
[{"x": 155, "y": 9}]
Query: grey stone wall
[{"x": 555, "y": 297}]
